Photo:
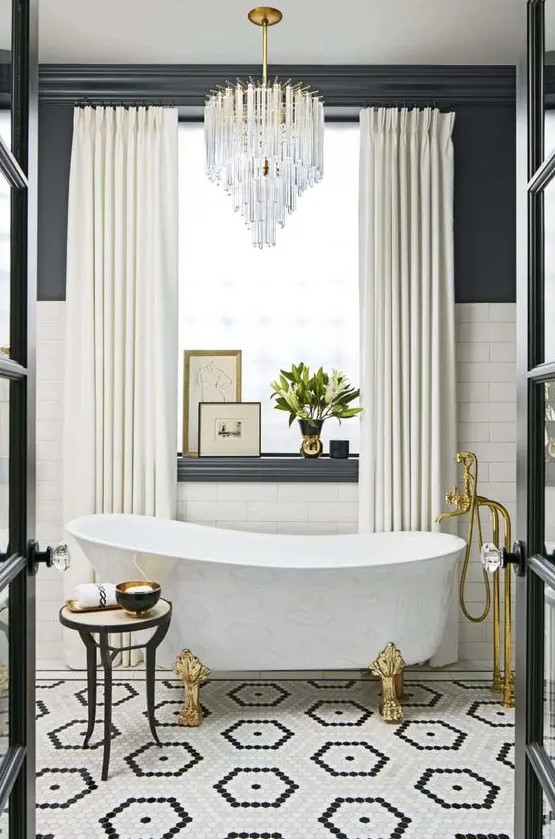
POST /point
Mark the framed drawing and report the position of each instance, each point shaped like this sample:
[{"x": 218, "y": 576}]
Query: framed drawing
[
  {"x": 208, "y": 376},
  {"x": 229, "y": 429}
]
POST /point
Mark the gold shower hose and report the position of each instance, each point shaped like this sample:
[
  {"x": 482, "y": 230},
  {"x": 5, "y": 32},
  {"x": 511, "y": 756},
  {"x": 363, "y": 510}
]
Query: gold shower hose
[{"x": 474, "y": 511}]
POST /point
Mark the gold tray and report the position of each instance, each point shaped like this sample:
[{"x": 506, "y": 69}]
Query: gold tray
[{"x": 73, "y": 607}]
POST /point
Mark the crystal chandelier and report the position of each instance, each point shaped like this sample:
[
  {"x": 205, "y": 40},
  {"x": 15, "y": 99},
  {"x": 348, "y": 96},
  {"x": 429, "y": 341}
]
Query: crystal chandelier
[{"x": 264, "y": 142}]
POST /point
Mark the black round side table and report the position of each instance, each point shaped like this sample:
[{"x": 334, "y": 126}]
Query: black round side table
[{"x": 103, "y": 624}]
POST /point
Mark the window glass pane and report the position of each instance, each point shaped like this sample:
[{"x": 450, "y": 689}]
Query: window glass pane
[
  {"x": 549, "y": 456},
  {"x": 549, "y": 593},
  {"x": 5, "y": 228},
  {"x": 548, "y": 820},
  {"x": 6, "y": 129},
  {"x": 4, "y": 463},
  {"x": 295, "y": 302},
  {"x": 5, "y": 71},
  {"x": 549, "y": 675},
  {"x": 549, "y": 76},
  {"x": 549, "y": 271},
  {"x": 4, "y": 663}
]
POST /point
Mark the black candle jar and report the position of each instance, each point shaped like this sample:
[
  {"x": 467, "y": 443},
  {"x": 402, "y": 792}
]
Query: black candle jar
[{"x": 339, "y": 448}]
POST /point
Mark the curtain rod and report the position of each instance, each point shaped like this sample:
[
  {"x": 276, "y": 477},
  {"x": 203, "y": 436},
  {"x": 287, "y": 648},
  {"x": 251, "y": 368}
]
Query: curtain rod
[{"x": 122, "y": 103}]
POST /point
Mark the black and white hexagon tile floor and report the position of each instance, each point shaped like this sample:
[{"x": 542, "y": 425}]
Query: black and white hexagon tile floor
[{"x": 278, "y": 760}]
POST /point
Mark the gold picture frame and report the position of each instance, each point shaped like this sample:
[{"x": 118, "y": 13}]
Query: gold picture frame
[{"x": 208, "y": 376}]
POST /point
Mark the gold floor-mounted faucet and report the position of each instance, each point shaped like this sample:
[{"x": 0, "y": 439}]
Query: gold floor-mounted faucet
[{"x": 468, "y": 501}]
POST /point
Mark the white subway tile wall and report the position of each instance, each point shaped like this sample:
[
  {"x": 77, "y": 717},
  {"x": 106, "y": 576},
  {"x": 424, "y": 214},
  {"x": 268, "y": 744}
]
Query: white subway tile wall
[
  {"x": 486, "y": 392},
  {"x": 50, "y": 392},
  {"x": 486, "y": 397}
]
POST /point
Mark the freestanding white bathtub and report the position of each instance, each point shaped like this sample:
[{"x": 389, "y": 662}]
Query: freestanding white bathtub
[{"x": 252, "y": 601}]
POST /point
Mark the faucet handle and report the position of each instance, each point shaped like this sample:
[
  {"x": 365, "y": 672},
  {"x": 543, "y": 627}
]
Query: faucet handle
[
  {"x": 452, "y": 496},
  {"x": 460, "y": 501},
  {"x": 491, "y": 557}
]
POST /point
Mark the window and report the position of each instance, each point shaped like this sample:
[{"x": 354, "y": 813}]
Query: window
[{"x": 295, "y": 302}]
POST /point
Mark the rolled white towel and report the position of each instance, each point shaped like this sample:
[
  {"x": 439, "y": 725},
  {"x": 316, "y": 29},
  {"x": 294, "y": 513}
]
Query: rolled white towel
[{"x": 95, "y": 595}]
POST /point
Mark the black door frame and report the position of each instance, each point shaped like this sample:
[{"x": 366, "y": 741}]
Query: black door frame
[
  {"x": 18, "y": 164},
  {"x": 534, "y": 771}
]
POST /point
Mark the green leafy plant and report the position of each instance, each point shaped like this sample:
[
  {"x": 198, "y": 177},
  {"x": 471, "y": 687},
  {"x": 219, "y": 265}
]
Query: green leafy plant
[{"x": 315, "y": 396}]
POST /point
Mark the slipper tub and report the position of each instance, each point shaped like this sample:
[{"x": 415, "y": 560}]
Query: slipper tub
[{"x": 255, "y": 601}]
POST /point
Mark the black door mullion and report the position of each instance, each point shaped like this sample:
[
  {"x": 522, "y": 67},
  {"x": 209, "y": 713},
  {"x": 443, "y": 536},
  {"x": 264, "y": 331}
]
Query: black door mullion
[{"x": 532, "y": 719}]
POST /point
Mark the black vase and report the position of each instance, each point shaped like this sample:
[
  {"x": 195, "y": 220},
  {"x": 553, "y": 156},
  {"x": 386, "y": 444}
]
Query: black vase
[{"x": 311, "y": 445}]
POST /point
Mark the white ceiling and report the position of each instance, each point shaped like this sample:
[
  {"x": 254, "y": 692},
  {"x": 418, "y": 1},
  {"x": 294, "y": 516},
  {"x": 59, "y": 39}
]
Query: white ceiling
[{"x": 327, "y": 31}]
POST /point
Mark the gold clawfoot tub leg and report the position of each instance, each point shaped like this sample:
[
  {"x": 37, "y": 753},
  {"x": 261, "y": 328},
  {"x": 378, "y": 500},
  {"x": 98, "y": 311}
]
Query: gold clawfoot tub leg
[
  {"x": 400, "y": 687},
  {"x": 389, "y": 666},
  {"x": 192, "y": 673}
]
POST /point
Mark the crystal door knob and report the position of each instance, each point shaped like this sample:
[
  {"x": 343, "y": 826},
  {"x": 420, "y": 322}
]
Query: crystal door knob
[
  {"x": 491, "y": 557},
  {"x": 494, "y": 558},
  {"x": 60, "y": 557}
]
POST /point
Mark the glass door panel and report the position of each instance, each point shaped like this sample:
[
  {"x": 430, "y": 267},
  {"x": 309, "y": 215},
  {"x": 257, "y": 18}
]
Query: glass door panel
[
  {"x": 548, "y": 820},
  {"x": 549, "y": 78},
  {"x": 549, "y": 269},
  {"x": 4, "y": 464},
  {"x": 5, "y": 71},
  {"x": 549, "y": 675},
  {"x": 549, "y": 466},
  {"x": 5, "y": 265},
  {"x": 4, "y": 672}
]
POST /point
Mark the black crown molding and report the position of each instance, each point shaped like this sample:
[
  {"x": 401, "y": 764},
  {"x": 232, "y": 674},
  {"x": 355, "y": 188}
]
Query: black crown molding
[{"x": 340, "y": 85}]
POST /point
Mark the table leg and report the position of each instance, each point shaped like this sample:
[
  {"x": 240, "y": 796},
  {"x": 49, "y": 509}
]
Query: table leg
[
  {"x": 150, "y": 656},
  {"x": 89, "y": 643},
  {"x": 107, "y": 664}
]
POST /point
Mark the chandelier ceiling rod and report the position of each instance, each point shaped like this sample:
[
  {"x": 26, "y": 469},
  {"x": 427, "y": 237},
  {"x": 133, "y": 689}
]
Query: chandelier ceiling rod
[{"x": 265, "y": 16}]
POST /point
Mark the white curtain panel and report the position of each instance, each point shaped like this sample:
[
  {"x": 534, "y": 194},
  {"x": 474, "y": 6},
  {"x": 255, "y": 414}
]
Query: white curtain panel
[
  {"x": 407, "y": 331},
  {"x": 120, "y": 415}
]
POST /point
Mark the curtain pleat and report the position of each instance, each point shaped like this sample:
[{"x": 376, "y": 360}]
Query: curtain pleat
[
  {"x": 120, "y": 420},
  {"x": 408, "y": 426}
]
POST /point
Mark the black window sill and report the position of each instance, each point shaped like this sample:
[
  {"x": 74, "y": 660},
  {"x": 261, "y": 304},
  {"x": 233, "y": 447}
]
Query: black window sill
[{"x": 268, "y": 468}]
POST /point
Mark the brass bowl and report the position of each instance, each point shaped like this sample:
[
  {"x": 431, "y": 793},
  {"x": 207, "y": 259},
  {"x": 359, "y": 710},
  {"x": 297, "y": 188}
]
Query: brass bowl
[{"x": 138, "y": 597}]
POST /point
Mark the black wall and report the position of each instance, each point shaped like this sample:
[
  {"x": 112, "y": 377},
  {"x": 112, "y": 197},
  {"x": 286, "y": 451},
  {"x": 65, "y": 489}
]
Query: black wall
[
  {"x": 485, "y": 171},
  {"x": 485, "y": 204},
  {"x": 55, "y": 133}
]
